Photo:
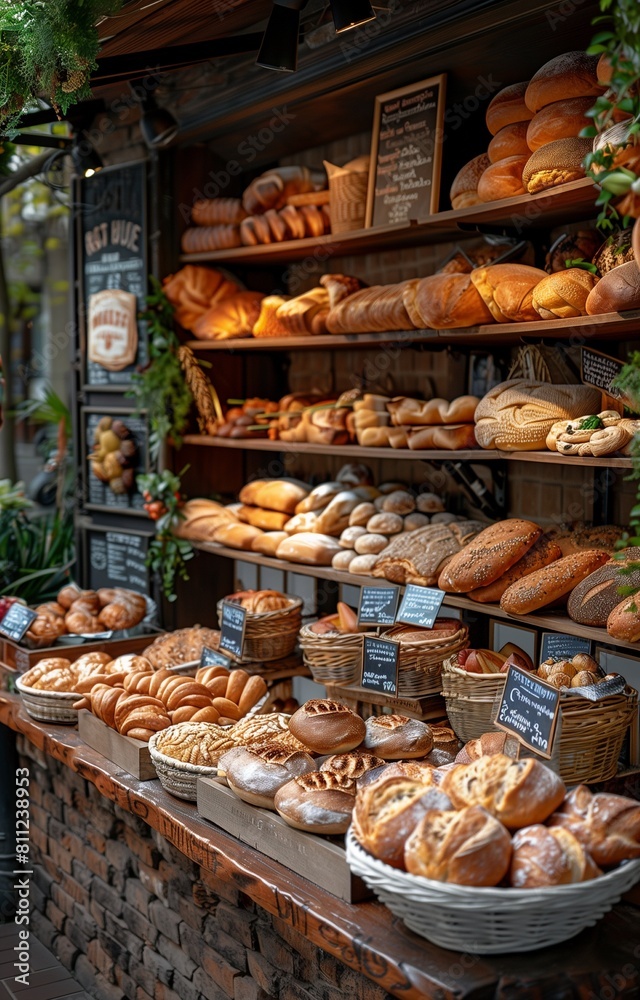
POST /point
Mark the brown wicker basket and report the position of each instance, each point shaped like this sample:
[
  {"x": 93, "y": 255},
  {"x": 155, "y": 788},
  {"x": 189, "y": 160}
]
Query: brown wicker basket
[
  {"x": 269, "y": 635},
  {"x": 347, "y": 197},
  {"x": 332, "y": 658},
  {"x": 420, "y": 661},
  {"x": 471, "y": 700}
]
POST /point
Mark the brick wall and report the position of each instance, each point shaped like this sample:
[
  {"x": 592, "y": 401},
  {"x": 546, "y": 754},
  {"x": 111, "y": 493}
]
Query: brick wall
[{"x": 131, "y": 917}]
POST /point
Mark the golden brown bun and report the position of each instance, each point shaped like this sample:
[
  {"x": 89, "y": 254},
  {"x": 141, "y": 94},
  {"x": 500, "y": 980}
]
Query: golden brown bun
[
  {"x": 256, "y": 773},
  {"x": 624, "y": 621},
  {"x": 387, "y": 811},
  {"x": 489, "y": 555},
  {"x": 608, "y": 825},
  {"x": 236, "y": 536},
  {"x": 541, "y": 554},
  {"x": 464, "y": 190},
  {"x": 508, "y": 107},
  {"x": 572, "y": 74},
  {"x": 268, "y": 543},
  {"x": 469, "y": 847},
  {"x": 560, "y": 120},
  {"x": 484, "y": 746},
  {"x": 509, "y": 141},
  {"x": 563, "y": 295},
  {"x": 268, "y": 520},
  {"x": 617, "y": 290},
  {"x": 447, "y": 301},
  {"x": 396, "y": 737},
  {"x": 258, "y": 601},
  {"x": 543, "y": 857},
  {"x": 326, "y": 726},
  {"x": 319, "y": 802},
  {"x": 507, "y": 290},
  {"x": 550, "y": 583},
  {"x": 502, "y": 179},
  {"x": 517, "y": 792},
  {"x": 274, "y": 494},
  {"x": 555, "y": 163}
]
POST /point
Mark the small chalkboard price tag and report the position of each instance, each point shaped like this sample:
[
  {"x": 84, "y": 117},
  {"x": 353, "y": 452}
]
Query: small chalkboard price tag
[
  {"x": 17, "y": 621},
  {"x": 212, "y": 658},
  {"x": 420, "y": 606},
  {"x": 529, "y": 710},
  {"x": 378, "y": 605},
  {"x": 232, "y": 626},
  {"x": 380, "y": 665},
  {"x": 559, "y": 646}
]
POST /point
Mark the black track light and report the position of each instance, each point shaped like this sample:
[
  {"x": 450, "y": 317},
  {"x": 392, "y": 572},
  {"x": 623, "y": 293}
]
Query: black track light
[
  {"x": 279, "y": 48},
  {"x": 349, "y": 14},
  {"x": 158, "y": 126},
  {"x": 86, "y": 159}
]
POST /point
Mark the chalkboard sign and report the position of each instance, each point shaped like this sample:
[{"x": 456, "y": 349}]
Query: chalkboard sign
[
  {"x": 406, "y": 154},
  {"x": 529, "y": 710},
  {"x": 232, "y": 626},
  {"x": 563, "y": 647},
  {"x": 17, "y": 621},
  {"x": 420, "y": 605},
  {"x": 380, "y": 665},
  {"x": 378, "y": 605},
  {"x": 117, "y": 559},
  {"x": 212, "y": 658},
  {"x": 100, "y": 494},
  {"x": 112, "y": 237},
  {"x": 600, "y": 370}
]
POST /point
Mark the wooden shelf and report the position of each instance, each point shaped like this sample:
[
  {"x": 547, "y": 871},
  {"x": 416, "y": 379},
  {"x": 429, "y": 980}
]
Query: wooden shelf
[
  {"x": 547, "y": 209},
  {"x": 424, "y": 455},
  {"x": 608, "y": 326},
  {"x": 552, "y": 621}
]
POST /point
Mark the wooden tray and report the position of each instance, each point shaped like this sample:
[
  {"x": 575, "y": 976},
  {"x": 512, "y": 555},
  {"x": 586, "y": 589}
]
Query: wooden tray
[
  {"x": 131, "y": 755},
  {"x": 19, "y": 658},
  {"x": 431, "y": 708},
  {"x": 320, "y": 859}
]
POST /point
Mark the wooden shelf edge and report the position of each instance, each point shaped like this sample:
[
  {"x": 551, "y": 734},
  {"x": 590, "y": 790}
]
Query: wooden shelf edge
[{"x": 554, "y": 622}]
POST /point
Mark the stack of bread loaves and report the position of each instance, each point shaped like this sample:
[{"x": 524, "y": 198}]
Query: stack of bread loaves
[{"x": 210, "y": 304}]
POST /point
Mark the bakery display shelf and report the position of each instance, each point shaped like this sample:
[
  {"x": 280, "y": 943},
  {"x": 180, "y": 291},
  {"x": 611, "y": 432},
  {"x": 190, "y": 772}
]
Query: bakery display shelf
[
  {"x": 552, "y": 621},
  {"x": 581, "y": 329},
  {"x": 419, "y": 455},
  {"x": 558, "y": 206}
]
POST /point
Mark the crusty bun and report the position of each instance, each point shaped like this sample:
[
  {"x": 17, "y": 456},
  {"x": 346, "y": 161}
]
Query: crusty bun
[
  {"x": 464, "y": 190},
  {"x": 502, "y": 179},
  {"x": 572, "y": 74},
  {"x": 560, "y": 120},
  {"x": 509, "y": 141},
  {"x": 555, "y": 163},
  {"x": 396, "y": 737},
  {"x": 624, "y": 621},
  {"x": 507, "y": 290},
  {"x": 388, "y": 810},
  {"x": 508, "y": 107},
  {"x": 563, "y": 294},
  {"x": 617, "y": 290},
  {"x": 319, "y": 802},
  {"x": 608, "y": 825},
  {"x": 468, "y": 847},
  {"x": 543, "y": 857},
  {"x": 484, "y": 746},
  {"x": 326, "y": 726}
]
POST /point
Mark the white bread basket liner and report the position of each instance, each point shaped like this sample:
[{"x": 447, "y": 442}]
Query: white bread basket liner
[
  {"x": 179, "y": 777},
  {"x": 490, "y": 920},
  {"x": 49, "y": 706}
]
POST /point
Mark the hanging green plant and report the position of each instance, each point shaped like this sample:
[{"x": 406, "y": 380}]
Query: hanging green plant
[
  {"x": 168, "y": 554},
  {"x": 48, "y": 49}
]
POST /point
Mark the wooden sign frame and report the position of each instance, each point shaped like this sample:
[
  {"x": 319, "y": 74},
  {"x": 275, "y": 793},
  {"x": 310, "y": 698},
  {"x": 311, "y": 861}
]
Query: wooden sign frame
[{"x": 438, "y": 81}]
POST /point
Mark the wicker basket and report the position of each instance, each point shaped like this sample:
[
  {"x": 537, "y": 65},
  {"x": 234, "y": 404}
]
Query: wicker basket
[
  {"x": 592, "y": 735},
  {"x": 269, "y": 635},
  {"x": 471, "y": 699},
  {"x": 331, "y": 658},
  {"x": 49, "y": 706},
  {"x": 487, "y": 920},
  {"x": 420, "y": 661},
  {"x": 347, "y": 197}
]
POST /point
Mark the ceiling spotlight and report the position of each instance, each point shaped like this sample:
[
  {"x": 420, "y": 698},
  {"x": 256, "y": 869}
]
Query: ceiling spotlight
[
  {"x": 158, "y": 126},
  {"x": 279, "y": 48},
  {"x": 86, "y": 160},
  {"x": 349, "y": 14}
]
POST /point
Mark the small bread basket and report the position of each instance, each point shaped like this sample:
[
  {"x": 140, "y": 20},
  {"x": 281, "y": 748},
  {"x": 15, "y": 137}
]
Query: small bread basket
[
  {"x": 269, "y": 635},
  {"x": 49, "y": 706},
  {"x": 421, "y": 658},
  {"x": 333, "y": 658}
]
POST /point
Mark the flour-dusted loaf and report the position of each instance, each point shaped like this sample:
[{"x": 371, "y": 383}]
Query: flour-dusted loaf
[
  {"x": 517, "y": 415},
  {"x": 466, "y": 847},
  {"x": 319, "y": 802},
  {"x": 397, "y": 737},
  {"x": 549, "y": 584},
  {"x": 327, "y": 726},
  {"x": 543, "y": 553},
  {"x": 489, "y": 555},
  {"x": 571, "y": 74},
  {"x": 388, "y": 810},
  {"x": 608, "y": 825},
  {"x": 256, "y": 773},
  {"x": 544, "y": 856}
]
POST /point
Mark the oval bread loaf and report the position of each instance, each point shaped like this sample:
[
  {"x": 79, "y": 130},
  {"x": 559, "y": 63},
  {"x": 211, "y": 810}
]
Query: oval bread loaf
[
  {"x": 541, "y": 554},
  {"x": 550, "y": 583},
  {"x": 489, "y": 555},
  {"x": 593, "y": 600}
]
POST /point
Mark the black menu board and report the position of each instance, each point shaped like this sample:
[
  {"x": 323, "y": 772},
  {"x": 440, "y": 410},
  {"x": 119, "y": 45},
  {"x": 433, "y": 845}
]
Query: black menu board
[
  {"x": 117, "y": 559},
  {"x": 420, "y": 605},
  {"x": 380, "y": 665},
  {"x": 562, "y": 647},
  {"x": 17, "y": 621},
  {"x": 232, "y": 626},
  {"x": 529, "y": 710},
  {"x": 406, "y": 154},
  {"x": 98, "y": 493},
  {"x": 212, "y": 658},
  {"x": 112, "y": 240},
  {"x": 600, "y": 370},
  {"x": 378, "y": 605}
]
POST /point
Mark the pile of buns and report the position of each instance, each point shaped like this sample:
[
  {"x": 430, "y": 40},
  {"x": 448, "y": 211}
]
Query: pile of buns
[
  {"x": 185, "y": 645},
  {"x": 85, "y": 612},
  {"x": 495, "y": 821},
  {"x": 55, "y": 673}
]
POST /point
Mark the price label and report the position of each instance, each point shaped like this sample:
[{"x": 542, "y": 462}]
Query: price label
[
  {"x": 529, "y": 710},
  {"x": 563, "y": 647},
  {"x": 420, "y": 606},
  {"x": 378, "y": 605},
  {"x": 232, "y": 626},
  {"x": 212, "y": 658},
  {"x": 17, "y": 621},
  {"x": 380, "y": 665}
]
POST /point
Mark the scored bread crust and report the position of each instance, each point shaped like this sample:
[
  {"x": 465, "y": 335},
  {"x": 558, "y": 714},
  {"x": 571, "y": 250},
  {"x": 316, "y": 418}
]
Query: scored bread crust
[
  {"x": 397, "y": 737},
  {"x": 319, "y": 802},
  {"x": 386, "y": 813},
  {"x": 489, "y": 555},
  {"x": 542, "y": 553},
  {"x": 546, "y": 585},
  {"x": 544, "y": 857},
  {"x": 608, "y": 825},
  {"x": 326, "y": 726},
  {"x": 469, "y": 847}
]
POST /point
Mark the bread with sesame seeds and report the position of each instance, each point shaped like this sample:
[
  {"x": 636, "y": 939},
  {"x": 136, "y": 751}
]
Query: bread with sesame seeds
[
  {"x": 552, "y": 582},
  {"x": 489, "y": 555}
]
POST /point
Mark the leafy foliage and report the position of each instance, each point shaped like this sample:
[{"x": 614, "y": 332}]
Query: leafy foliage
[
  {"x": 36, "y": 556},
  {"x": 168, "y": 555}
]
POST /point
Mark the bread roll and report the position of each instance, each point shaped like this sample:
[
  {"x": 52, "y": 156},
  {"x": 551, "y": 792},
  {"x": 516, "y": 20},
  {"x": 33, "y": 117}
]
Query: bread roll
[
  {"x": 572, "y": 74},
  {"x": 268, "y": 542},
  {"x": 517, "y": 792},
  {"x": 508, "y": 106},
  {"x": 350, "y": 535},
  {"x": 593, "y": 600},
  {"x": 502, "y": 179},
  {"x": 387, "y": 811},
  {"x": 563, "y": 295},
  {"x": 507, "y": 290},
  {"x": 543, "y": 553},
  {"x": 308, "y": 547},
  {"x": 320, "y": 802},
  {"x": 361, "y": 514},
  {"x": 256, "y": 773},
  {"x": 489, "y": 555},
  {"x": 617, "y": 290},
  {"x": 326, "y": 726},
  {"x": 464, "y": 190},
  {"x": 560, "y": 120},
  {"x": 274, "y": 494},
  {"x": 555, "y": 163},
  {"x": 550, "y": 583},
  {"x": 414, "y": 521},
  {"x": 484, "y": 746},
  {"x": 396, "y": 737},
  {"x": 544, "y": 857},
  {"x": 608, "y": 825},
  {"x": 236, "y": 536},
  {"x": 385, "y": 523},
  {"x": 469, "y": 847},
  {"x": 624, "y": 621},
  {"x": 398, "y": 502},
  {"x": 343, "y": 559},
  {"x": 447, "y": 301},
  {"x": 509, "y": 141},
  {"x": 369, "y": 544},
  {"x": 319, "y": 498}
]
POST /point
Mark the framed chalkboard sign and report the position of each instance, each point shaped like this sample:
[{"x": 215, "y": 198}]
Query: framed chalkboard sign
[
  {"x": 115, "y": 451},
  {"x": 232, "y": 625},
  {"x": 380, "y": 665},
  {"x": 529, "y": 711},
  {"x": 17, "y": 621},
  {"x": 378, "y": 605},
  {"x": 406, "y": 153},
  {"x": 420, "y": 605},
  {"x": 212, "y": 658},
  {"x": 113, "y": 269},
  {"x": 563, "y": 647},
  {"x": 116, "y": 559}
]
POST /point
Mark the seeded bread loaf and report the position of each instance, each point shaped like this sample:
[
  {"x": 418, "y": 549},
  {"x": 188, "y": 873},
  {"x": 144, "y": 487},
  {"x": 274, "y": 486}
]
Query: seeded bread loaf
[
  {"x": 419, "y": 556},
  {"x": 593, "y": 600},
  {"x": 489, "y": 555},
  {"x": 541, "y": 554},
  {"x": 552, "y": 582}
]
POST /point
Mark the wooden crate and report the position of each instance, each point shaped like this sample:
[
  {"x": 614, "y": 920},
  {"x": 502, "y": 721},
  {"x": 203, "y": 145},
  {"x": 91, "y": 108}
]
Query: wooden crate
[
  {"x": 320, "y": 859},
  {"x": 20, "y": 658},
  {"x": 131, "y": 755},
  {"x": 366, "y": 703}
]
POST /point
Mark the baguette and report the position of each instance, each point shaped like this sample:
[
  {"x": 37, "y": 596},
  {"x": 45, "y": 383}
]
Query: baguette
[{"x": 550, "y": 583}]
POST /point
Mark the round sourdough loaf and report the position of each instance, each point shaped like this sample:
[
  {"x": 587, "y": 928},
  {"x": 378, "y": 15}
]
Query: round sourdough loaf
[
  {"x": 388, "y": 810},
  {"x": 608, "y": 825},
  {"x": 256, "y": 773},
  {"x": 464, "y": 190},
  {"x": 503, "y": 179},
  {"x": 544, "y": 857},
  {"x": 326, "y": 726},
  {"x": 624, "y": 621},
  {"x": 396, "y": 737},
  {"x": 465, "y": 847},
  {"x": 489, "y": 555},
  {"x": 508, "y": 106},
  {"x": 550, "y": 583},
  {"x": 320, "y": 802},
  {"x": 572, "y": 74}
]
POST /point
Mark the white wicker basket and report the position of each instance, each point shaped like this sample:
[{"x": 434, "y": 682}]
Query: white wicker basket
[
  {"x": 49, "y": 706},
  {"x": 491, "y": 920}
]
